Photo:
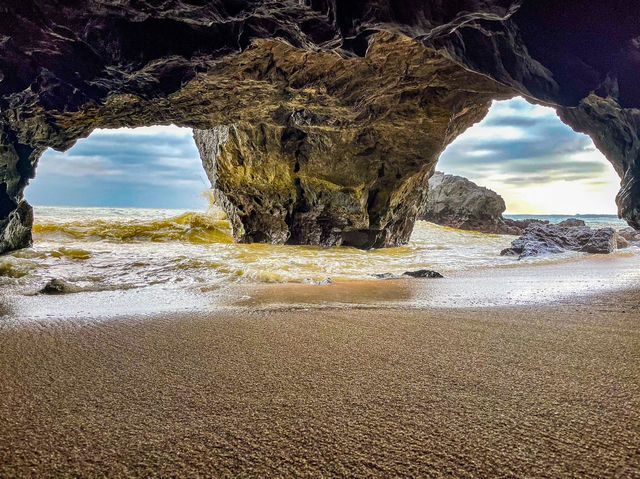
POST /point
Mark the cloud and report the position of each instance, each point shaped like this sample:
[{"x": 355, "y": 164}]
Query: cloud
[
  {"x": 543, "y": 150},
  {"x": 78, "y": 166},
  {"x": 519, "y": 145},
  {"x": 162, "y": 161}
]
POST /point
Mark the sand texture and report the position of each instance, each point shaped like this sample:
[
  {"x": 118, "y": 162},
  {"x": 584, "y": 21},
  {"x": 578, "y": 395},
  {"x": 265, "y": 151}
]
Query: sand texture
[{"x": 550, "y": 391}]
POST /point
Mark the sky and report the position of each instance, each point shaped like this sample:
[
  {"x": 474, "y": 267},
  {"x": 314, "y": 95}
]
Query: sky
[
  {"x": 523, "y": 152},
  {"x": 149, "y": 167},
  {"x": 534, "y": 161}
]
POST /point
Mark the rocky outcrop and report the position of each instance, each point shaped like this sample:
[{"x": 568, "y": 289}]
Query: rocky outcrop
[
  {"x": 353, "y": 173},
  {"x": 630, "y": 234},
  {"x": 374, "y": 89},
  {"x": 539, "y": 239},
  {"x": 457, "y": 202}
]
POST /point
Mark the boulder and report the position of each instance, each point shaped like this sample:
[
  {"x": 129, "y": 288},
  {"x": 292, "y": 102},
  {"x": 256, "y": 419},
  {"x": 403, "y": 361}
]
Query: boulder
[
  {"x": 457, "y": 202},
  {"x": 630, "y": 234},
  {"x": 58, "y": 286},
  {"x": 422, "y": 273},
  {"x": 621, "y": 243},
  {"x": 541, "y": 239},
  {"x": 524, "y": 224},
  {"x": 603, "y": 241}
]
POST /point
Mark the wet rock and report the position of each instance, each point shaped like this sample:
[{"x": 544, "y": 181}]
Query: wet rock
[
  {"x": 520, "y": 225},
  {"x": 422, "y": 273},
  {"x": 630, "y": 234},
  {"x": 621, "y": 243},
  {"x": 603, "y": 241},
  {"x": 539, "y": 239},
  {"x": 385, "y": 276},
  {"x": 323, "y": 282},
  {"x": 58, "y": 286},
  {"x": 572, "y": 222}
]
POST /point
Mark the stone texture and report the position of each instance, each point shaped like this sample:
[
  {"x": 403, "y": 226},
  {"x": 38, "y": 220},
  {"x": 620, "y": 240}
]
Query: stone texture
[
  {"x": 58, "y": 286},
  {"x": 423, "y": 273},
  {"x": 396, "y": 72},
  {"x": 457, "y": 202},
  {"x": 541, "y": 239},
  {"x": 621, "y": 243},
  {"x": 630, "y": 234},
  {"x": 307, "y": 176},
  {"x": 572, "y": 222}
]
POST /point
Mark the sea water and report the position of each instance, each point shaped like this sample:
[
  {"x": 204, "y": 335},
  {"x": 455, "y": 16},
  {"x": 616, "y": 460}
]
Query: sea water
[{"x": 166, "y": 255}]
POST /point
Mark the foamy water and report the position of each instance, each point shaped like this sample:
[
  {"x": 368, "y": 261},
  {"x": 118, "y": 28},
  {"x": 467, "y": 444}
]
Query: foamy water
[{"x": 167, "y": 254}]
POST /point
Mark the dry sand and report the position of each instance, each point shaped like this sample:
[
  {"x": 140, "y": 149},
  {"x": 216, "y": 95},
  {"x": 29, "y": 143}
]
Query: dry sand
[{"x": 540, "y": 391}]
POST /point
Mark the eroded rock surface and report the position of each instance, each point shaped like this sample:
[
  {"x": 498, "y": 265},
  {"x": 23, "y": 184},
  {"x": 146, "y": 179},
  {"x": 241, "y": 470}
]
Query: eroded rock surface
[
  {"x": 396, "y": 81},
  {"x": 539, "y": 239},
  {"x": 457, "y": 202},
  {"x": 350, "y": 168},
  {"x": 630, "y": 234}
]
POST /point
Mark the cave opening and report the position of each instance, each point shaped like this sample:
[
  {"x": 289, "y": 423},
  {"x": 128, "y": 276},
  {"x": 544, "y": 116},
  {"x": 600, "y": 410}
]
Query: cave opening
[
  {"x": 538, "y": 164},
  {"x": 145, "y": 167}
]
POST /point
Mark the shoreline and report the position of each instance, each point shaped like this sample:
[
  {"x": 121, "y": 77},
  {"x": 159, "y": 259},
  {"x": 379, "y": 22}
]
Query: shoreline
[
  {"x": 539, "y": 390},
  {"x": 555, "y": 281}
]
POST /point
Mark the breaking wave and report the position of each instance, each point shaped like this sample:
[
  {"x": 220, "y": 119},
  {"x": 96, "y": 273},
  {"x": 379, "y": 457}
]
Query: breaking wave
[{"x": 196, "y": 228}]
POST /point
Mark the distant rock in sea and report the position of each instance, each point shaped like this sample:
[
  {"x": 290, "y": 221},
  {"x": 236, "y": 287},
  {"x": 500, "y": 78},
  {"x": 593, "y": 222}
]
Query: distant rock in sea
[
  {"x": 457, "y": 202},
  {"x": 550, "y": 239}
]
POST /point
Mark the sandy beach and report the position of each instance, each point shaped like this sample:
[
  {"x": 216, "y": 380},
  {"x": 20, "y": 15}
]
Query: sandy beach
[{"x": 528, "y": 391}]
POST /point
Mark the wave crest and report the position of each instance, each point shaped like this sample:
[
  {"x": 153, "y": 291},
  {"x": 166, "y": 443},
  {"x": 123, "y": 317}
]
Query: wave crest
[{"x": 197, "y": 228}]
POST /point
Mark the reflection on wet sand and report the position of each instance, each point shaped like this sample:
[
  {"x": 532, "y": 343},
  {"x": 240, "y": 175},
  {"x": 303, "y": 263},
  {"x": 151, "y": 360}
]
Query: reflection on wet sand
[{"x": 361, "y": 293}]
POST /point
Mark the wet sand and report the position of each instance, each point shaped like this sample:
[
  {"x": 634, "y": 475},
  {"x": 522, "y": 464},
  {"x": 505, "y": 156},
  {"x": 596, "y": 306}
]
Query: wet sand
[{"x": 528, "y": 391}]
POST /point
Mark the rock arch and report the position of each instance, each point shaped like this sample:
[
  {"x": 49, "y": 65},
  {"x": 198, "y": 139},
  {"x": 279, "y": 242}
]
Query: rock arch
[{"x": 319, "y": 121}]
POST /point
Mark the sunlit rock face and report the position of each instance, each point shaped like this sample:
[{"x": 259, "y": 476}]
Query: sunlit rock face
[
  {"x": 345, "y": 157},
  {"x": 316, "y": 75},
  {"x": 456, "y": 202}
]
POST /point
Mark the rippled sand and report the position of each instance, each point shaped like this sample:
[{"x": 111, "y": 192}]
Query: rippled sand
[{"x": 530, "y": 391}]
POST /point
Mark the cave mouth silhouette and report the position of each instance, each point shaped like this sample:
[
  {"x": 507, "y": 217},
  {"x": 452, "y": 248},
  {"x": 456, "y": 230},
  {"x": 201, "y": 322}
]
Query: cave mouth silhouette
[{"x": 314, "y": 148}]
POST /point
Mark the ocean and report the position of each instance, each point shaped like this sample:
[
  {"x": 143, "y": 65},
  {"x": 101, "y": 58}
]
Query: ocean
[{"x": 166, "y": 256}]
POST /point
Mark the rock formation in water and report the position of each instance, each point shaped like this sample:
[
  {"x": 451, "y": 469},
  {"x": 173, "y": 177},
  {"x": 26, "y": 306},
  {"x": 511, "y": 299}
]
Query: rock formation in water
[
  {"x": 630, "y": 234},
  {"x": 457, "y": 202},
  {"x": 328, "y": 116},
  {"x": 344, "y": 158},
  {"x": 541, "y": 239}
]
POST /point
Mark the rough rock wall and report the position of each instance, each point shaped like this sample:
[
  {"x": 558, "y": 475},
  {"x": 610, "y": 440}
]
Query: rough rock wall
[
  {"x": 345, "y": 158},
  {"x": 457, "y": 202},
  {"x": 69, "y": 67}
]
